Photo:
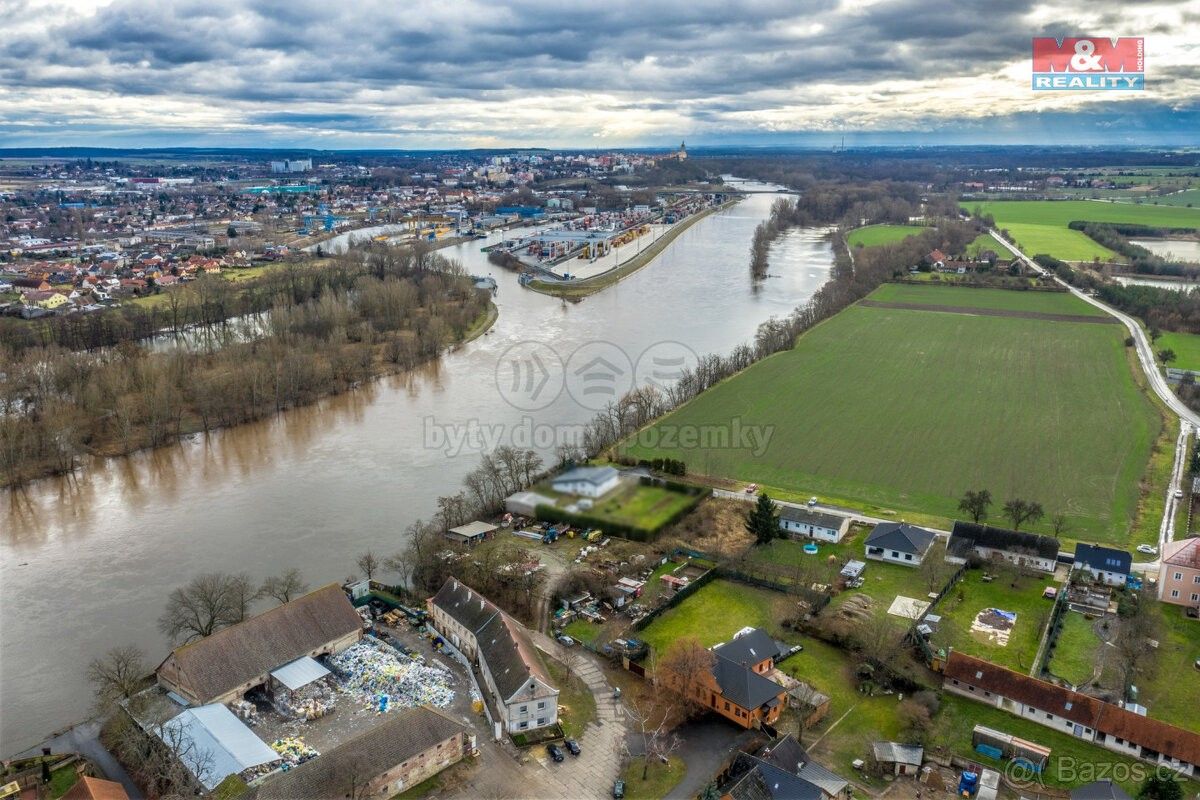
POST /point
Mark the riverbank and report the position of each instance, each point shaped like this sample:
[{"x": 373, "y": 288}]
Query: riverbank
[
  {"x": 227, "y": 388},
  {"x": 577, "y": 290}
]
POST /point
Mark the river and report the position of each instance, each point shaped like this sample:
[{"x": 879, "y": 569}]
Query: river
[{"x": 86, "y": 563}]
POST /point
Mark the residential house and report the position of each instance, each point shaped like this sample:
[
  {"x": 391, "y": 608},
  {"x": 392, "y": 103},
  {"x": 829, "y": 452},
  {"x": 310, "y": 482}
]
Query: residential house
[
  {"x": 222, "y": 667},
  {"x": 899, "y": 543},
  {"x": 590, "y": 482},
  {"x": 411, "y": 746},
  {"x": 1107, "y": 565},
  {"x": 1082, "y": 716},
  {"x": 990, "y": 543},
  {"x": 898, "y": 759},
  {"x": 523, "y": 697},
  {"x": 1179, "y": 573},
  {"x": 799, "y": 522},
  {"x": 88, "y": 788},
  {"x": 782, "y": 770},
  {"x": 737, "y": 687}
]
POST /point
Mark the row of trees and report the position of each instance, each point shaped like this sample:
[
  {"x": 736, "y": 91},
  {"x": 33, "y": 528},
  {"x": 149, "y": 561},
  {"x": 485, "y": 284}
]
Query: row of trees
[{"x": 975, "y": 504}]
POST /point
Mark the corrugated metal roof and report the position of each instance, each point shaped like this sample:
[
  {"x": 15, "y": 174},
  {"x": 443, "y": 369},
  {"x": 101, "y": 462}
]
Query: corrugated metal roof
[
  {"x": 300, "y": 672},
  {"x": 214, "y": 743}
]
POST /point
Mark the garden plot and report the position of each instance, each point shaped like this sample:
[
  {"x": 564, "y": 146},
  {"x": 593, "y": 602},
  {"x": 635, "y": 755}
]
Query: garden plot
[
  {"x": 379, "y": 675},
  {"x": 994, "y": 625}
]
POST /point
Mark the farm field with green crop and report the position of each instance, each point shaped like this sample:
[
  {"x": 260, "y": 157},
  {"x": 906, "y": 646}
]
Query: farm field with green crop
[
  {"x": 1186, "y": 347},
  {"x": 999, "y": 299},
  {"x": 985, "y": 241},
  {"x": 873, "y": 235},
  {"x": 896, "y": 410},
  {"x": 1041, "y": 226}
]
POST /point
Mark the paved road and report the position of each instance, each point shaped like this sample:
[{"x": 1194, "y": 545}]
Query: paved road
[{"x": 1145, "y": 353}]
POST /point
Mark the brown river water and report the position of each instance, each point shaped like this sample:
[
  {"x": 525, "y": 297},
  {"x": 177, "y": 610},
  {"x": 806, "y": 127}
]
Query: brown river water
[{"x": 86, "y": 562}]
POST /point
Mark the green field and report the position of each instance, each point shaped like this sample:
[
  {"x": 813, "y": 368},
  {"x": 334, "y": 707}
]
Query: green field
[
  {"x": 1002, "y": 299},
  {"x": 714, "y": 613},
  {"x": 874, "y": 235},
  {"x": 1186, "y": 347},
  {"x": 1040, "y": 226},
  {"x": 648, "y": 507},
  {"x": 1171, "y": 691},
  {"x": 985, "y": 241},
  {"x": 894, "y": 410},
  {"x": 1187, "y": 198},
  {"x": 1025, "y": 601}
]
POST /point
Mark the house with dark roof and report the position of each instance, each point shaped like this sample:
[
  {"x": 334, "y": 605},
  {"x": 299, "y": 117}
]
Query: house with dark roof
[
  {"x": 899, "y": 543},
  {"x": 522, "y": 694},
  {"x": 799, "y": 522},
  {"x": 737, "y": 687},
  {"x": 1082, "y": 716},
  {"x": 782, "y": 770},
  {"x": 410, "y": 746},
  {"x": 990, "y": 543},
  {"x": 224, "y": 666},
  {"x": 1105, "y": 564}
]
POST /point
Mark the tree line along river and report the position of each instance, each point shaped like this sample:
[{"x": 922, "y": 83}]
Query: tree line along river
[{"x": 87, "y": 562}]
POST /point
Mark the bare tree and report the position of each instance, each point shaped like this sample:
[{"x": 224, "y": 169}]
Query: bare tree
[
  {"x": 878, "y": 637},
  {"x": 934, "y": 570},
  {"x": 207, "y": 603},
  {"x": 1018, "y": 511},
  {"x": 651, "y": 725},
  {"x": 1059, "y": 524},
  {"x": 686, "y": 669},
  {"x": 975, "y": 504},
  {"x": 368, "y": 564},
  {"x": 401, "y": 563},
  {"x": 117, "y": 675},
  {"x": 283, "y": 588}
]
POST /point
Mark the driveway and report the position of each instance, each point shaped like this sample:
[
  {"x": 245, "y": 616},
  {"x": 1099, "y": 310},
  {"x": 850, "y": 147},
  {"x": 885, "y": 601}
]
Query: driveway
[{"x": 706, "y": 745}]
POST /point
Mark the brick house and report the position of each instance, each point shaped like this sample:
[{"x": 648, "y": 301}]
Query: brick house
[{"x": 737, "y": 687}]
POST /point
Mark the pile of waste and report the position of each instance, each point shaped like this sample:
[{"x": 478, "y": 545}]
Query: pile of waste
[
  {"x": 245, "y": 710},
  {"x": 380, "y": 675},
  {"x": 293, "y": 751},
  {"x": 306, "y": 703}
]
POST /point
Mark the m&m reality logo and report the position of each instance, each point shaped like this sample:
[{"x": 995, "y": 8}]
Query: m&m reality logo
[{"x": 1089, "y": 63}]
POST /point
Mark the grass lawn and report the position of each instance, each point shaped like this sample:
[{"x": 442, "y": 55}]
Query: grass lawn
[
  {"x": 985, "y": 241},
  {"x": 660, "y": 778},
  {"x": 1186, "y": 347},
  {"x": 1040, "y": 226},
  {"x": 1078, "y": 650},
  {"x": 714, "y": 612},
  {"x": 992, "y": 299},
  {"x": 1172, "y": 691},
  {"x": 1026, "y": 601},
  {"x": 893, "y": 410},
  {"x": 576, "y": 703},
  {"x": 882, "y": 582},
  {"x": 582, "y": 631},
  {"x": 648, "y": 507},
  {"x": 1069, "y": 756},
  {"x": 854, "y": 720},
  {"x": 873, "y": 235}
]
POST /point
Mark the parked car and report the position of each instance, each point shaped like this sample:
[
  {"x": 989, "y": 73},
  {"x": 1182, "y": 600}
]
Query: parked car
[
  {"x": 1149, "y": 550},
  {"x": 555, "y": 752},
  {"x": 752, "y": 488},
  {"x": 618, "y": 790},
  {"x": 812, "y": 501},
  {"x": 566, "y": 641},
  {"x": 573, "y": 747},
  {"x": 1179, "y": 494}
]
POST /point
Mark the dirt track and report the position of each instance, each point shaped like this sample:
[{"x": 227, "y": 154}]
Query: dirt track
[{"x": 991, "y": 312}]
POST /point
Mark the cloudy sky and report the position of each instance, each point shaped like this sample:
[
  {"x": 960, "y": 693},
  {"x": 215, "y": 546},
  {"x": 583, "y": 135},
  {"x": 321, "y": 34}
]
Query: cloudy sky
[{"x": 577, "y": 73}]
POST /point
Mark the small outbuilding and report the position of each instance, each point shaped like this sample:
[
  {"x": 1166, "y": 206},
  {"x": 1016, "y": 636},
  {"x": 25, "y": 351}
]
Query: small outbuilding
[
  {"x": 899, "y": 759},
  {"x": 1099, "y": 790},
  {"x": 471, "y": 533},
  {"x": 590, "y": 482}
]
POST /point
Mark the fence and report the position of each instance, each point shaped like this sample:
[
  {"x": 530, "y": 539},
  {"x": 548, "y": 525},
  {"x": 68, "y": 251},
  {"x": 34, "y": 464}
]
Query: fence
[
  {"x": 675, "y": 600},
  {"x": 1056, "y": 613},
  {"x": 913, "y": 635}
]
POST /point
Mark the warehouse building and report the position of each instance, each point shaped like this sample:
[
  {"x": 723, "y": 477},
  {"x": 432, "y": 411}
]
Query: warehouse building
[{"x": 276, "y": 647}]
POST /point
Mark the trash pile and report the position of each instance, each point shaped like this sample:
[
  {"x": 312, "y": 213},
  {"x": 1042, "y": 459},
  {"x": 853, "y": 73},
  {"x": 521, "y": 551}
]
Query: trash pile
[
  {"x": 245, "y": 710},
  {"x": 306, "y": 703},
  {"x": 381, "y": 676},
  {"x": 293, "y": 751}
]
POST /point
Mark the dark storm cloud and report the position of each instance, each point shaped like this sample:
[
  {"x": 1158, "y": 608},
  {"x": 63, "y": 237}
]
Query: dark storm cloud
[{"x": 703, "y": 58}]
